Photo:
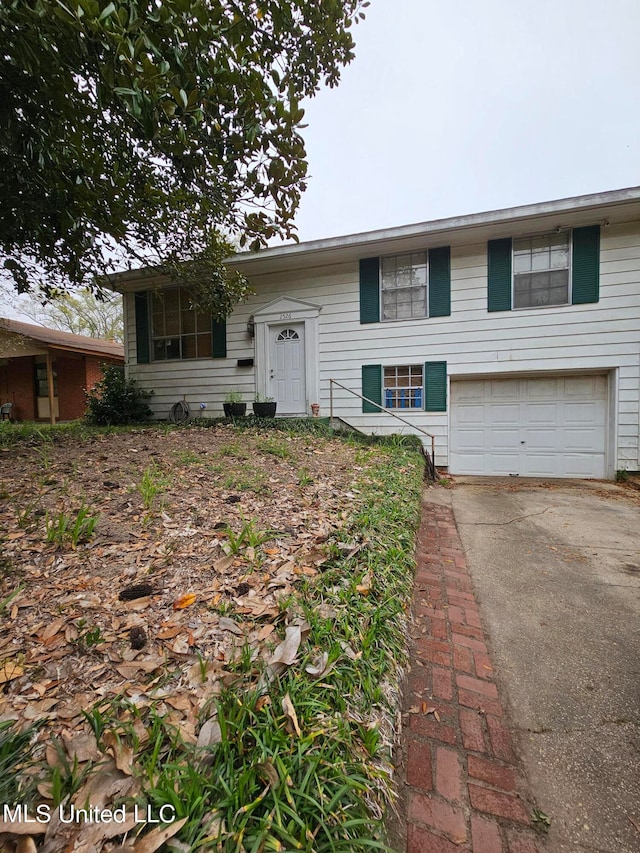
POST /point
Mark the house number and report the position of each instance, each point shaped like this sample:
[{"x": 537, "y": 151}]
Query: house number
[{"x": 286, "y": 315}]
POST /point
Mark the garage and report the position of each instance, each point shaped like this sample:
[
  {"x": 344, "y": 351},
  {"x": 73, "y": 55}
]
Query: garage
[{"x": 530, "y": 426}]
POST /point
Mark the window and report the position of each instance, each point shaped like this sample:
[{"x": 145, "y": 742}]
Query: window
[
  {"x": 541, "y": 270},
  {"x": 42, "y": 382},
  {"x": 415, "y": 285},
  {"x": 411, "y": 386},
  {"x": 403, "y": 387},
  {"x": 404, "y": 286},
  {"x": 178, "y": 330},
  {"x": 562, "y": 268}
]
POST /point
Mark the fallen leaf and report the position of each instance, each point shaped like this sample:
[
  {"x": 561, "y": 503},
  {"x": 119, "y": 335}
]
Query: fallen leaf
[
  {"x": 170, "y": 633},
  {"x": 290, "y": 714},
  {"x": 20, "y": 828},
  {"x": 287, "y": 651},
  {"x": 9, "y": 670},
  {"x": 267, "y": 769},
  {"x": 157, "y": 837},
  {"x": 185, "y": 600},
  {"x": 181, "y": 645},
  {"x": 53, "y": 628},
  {"x": 122, "y": 752},
  {"x": 318, "y": 666},
  {"x": 224, "y": 563},
  {"x": 81, "y": 747},
  {"x": 266, "y": 631},
  {"x": 364, "y": 587},
  {"x": 227, "y": 624},
  {"x": 209, "y": 734}
]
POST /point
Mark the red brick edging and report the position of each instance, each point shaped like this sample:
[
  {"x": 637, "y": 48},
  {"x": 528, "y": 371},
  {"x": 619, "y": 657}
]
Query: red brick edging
[{"x": 465, "y": 788}]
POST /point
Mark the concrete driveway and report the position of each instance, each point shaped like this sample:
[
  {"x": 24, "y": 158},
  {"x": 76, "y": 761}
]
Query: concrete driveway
[{"x": 557, "y": 571}]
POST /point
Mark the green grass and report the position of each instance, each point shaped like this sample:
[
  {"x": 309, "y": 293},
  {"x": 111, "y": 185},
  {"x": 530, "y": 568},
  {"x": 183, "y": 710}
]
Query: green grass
[
  {"x": 62, "y": 527},
  {"x": 16, "y": 750},
  {"x": 323, "y": 784},
  {"x": 152, "y": 483},
  {"x": 14, "y": 434}
]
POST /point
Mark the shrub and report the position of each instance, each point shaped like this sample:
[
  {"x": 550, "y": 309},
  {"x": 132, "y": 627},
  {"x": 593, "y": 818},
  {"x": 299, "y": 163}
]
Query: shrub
[{"x": 116, "y": 400}]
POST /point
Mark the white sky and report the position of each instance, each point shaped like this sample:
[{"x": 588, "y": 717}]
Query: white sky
[{"x": 459, "y": 106}]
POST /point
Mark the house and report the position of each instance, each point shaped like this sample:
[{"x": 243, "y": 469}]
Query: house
[
  {"x": 44, "y": 372},
  {"x": 513, "y": 336}
]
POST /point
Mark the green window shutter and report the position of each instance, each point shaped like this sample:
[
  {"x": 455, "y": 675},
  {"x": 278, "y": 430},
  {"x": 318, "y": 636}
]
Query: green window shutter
[
  {"x": 371, "y": 386},
  {"x": 585, "y": 268},
  {"x": 370, "y": 290},
  {"x": 435, "y": 386},
  {"x": 141, "y": 307},
  {"x": 499, "y": 252},
  {"x": 440, "y": 282},
  {"x": 219, "y": 335}
]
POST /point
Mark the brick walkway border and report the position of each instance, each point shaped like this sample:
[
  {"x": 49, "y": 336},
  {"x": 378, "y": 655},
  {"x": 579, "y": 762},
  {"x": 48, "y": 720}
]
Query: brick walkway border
[{"x": 464, "y": 786}]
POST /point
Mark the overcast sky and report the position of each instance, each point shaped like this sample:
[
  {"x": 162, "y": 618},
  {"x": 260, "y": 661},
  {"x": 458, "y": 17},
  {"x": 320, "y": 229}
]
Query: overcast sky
[{"x": 459, "y": 106}]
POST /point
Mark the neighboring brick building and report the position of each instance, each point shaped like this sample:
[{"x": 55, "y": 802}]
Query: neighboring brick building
[{"x": 44, "y": 372}]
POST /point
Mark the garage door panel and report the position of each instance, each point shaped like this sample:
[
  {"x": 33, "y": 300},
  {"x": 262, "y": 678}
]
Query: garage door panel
[
  {"x": 504, "y": 388},
  {"x": 471, "y": 415},
  {"x": 585, "y": 386},
  {"x": 583, "y": 440},
  {"x": 540, "y": 464},
  {"x": 581, "y": 465},
  {"x": 530, "y": 426},
  {"x": 499, "y": 438},
  {"x": 540, "y": 413},
  {"x": 471, "y": 441},
  {"x": 539, "y": 440},
  {"x": 579, "y": 414},
  {"x": 503, "y": 413},
  {"x": 501, "y": 464},
  {"x": 541, "y": 388}
]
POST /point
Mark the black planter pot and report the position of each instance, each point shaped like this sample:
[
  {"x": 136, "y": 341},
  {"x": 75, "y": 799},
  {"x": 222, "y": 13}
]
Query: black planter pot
[
  {"x": 264, "y": 410},
  {"x": 234, "y": 410}
]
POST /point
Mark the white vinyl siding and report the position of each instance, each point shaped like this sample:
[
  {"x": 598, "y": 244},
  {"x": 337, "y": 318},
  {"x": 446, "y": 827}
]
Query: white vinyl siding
[{"x": 599, "y": 337}]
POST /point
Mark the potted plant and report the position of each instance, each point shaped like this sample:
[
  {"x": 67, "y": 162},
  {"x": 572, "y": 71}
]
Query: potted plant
[
  {"x": 264, "y": 407},
  {"x": 233, "y": 405}
]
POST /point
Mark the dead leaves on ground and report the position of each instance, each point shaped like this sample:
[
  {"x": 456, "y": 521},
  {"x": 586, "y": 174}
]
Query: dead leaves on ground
[{"x": 157, "y": 607}]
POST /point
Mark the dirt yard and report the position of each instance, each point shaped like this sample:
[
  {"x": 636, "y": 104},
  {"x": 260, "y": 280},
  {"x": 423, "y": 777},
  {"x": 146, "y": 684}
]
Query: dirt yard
[{"x": 200, "y": 538}]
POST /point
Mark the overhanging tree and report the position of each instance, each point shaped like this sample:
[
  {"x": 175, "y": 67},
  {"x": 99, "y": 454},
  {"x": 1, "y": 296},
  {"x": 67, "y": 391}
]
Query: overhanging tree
[{"x": 143, "y": 130}]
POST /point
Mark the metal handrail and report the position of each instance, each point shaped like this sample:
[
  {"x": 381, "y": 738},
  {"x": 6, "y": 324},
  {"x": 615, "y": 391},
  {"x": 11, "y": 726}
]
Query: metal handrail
[{"x": 333, "y": 382}]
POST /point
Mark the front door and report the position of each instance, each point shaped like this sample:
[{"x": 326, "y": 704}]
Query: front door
[{"x": 287, "y": 368}]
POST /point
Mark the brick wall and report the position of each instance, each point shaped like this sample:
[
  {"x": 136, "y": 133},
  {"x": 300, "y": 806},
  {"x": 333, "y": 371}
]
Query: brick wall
[
  {"x": 17, "y": 387},
  {"x": 94, "y": 370},
  {"x": 71, "y": 374}
]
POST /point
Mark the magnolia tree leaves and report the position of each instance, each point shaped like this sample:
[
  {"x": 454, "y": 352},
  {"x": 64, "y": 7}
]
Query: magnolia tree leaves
[{"x": 141, "y": 132}]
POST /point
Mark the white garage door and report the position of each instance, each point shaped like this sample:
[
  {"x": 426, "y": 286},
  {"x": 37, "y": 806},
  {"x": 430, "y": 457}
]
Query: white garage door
[{"x": 534, "y": 427}]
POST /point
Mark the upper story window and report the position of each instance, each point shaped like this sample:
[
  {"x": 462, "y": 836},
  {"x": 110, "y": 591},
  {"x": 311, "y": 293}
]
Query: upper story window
[
  {"x": 415, "y": 285},
  {"x": 178, "y": 330},
  {"x": 404, "y": 286},
  {"x": 541, "y": 270}
]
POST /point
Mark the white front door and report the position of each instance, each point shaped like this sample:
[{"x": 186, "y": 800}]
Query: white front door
[{"x": 287, "y": 368}]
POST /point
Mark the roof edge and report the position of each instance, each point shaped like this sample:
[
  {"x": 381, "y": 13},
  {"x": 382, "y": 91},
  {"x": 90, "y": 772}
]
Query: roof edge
[{"x": 434, "y": 226}]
